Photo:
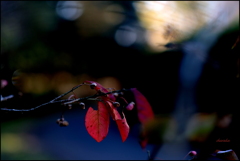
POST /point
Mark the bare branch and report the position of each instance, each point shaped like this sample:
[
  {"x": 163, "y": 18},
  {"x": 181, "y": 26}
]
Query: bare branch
[
  {"x": 64, "y": 94},
  {"x": 66, "y": 101}
]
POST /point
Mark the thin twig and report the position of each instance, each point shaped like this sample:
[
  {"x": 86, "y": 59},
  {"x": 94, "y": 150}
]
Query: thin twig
[
  {"x": 66, "y": 100},
  {"x": 66, "y": 92}
]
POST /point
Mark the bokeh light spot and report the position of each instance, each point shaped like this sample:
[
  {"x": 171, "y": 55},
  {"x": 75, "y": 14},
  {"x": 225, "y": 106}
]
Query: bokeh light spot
[
  {"x": 69, "y": 10},
  {"x": 125, "y": 36}
]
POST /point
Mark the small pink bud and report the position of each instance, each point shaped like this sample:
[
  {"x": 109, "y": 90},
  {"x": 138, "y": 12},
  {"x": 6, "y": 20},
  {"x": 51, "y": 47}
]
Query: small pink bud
[
  {"x": 93, "y": 85},
  {"x": 115, "y": 95},
  {"x": 82, "y": 105},
  {"x": 3, "y": 83},
  {"x": 130, "y": 106},
  {"x": 69, "y": 106},
  {"x": 192, "y": 153}
]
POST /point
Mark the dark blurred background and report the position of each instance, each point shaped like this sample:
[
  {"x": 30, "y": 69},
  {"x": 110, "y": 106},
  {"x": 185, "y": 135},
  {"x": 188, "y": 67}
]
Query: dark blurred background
[{"x": 48, "y": 47}]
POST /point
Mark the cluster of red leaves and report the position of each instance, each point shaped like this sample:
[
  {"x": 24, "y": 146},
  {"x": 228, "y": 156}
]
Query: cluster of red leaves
[{"x": 97, "y": 121}]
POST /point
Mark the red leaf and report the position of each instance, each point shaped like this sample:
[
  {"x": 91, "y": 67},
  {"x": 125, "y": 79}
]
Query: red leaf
[
  {"x": 143, "y": 107},
  {"x": 123, "y": 128},
  {"x": 113, "y": 111},
  {"x": 97, "y": 122},
  {"x": 121, "y": 122},
  {"x": 102, "y": 89}
]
